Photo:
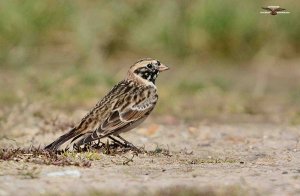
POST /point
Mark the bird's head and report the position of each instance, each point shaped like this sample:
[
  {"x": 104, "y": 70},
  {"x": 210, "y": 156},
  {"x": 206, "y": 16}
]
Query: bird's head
[{"x": 147, "y": 70}]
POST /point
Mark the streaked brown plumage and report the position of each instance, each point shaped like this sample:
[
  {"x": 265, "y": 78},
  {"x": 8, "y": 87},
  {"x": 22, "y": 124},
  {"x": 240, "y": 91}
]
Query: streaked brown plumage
[{"x": 126, "y": 105}]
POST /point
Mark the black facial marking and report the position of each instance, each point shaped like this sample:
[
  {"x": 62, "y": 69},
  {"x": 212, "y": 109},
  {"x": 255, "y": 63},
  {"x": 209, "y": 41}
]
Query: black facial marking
[
  {"x": 147, "y": 74},
  {"x": 150, "y": 66},
  {"x": 158, "y": 63}
]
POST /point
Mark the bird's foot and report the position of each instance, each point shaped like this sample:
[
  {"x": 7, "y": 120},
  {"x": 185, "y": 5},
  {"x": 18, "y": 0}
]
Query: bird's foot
[
  {"x": 129, "y": 145},
  {"x": 125, "y": 144},
  {"x": 132, "y": 147}
]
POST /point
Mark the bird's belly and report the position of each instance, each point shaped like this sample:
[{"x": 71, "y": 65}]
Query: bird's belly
[{"x": 131, "y": 126}]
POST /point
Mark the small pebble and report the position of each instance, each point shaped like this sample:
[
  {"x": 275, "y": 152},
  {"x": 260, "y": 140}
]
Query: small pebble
[{"x": 72, "y": 173}]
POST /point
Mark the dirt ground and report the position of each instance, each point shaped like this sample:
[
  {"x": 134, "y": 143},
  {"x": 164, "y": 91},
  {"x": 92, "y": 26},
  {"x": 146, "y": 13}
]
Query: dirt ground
[{"x": 216, "y": 159}]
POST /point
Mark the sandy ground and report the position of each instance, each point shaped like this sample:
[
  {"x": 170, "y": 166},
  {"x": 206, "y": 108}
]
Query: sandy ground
[{"x": 238, "y": 159}]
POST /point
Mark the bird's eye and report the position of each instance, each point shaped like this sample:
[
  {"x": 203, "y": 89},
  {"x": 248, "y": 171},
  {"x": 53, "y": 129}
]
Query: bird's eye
[
  {"x": 158, "y": 63},
  {"x": 150, "y": 66}
]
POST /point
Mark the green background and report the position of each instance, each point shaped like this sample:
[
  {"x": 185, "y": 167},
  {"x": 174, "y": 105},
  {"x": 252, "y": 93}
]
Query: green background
[{"x": 228, "y": 61}]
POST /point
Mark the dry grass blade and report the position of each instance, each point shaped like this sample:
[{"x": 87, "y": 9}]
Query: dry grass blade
[
  {"x": 41, "y": 156},
  {"x": 125, "y": 162},
  {"x": 159, "y": 151}
]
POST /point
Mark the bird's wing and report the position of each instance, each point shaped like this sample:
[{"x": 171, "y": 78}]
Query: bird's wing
[
  {"x": 266, "y": 8},
  {"x": 279, "y": 9},
  {"x": 123, "y": 117},
  {"x": 96, "y": 116},
  {"x": 103, "y": 108}
]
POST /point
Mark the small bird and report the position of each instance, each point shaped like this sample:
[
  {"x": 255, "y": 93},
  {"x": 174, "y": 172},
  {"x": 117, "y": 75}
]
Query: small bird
[
  {"x": 273, "y": 11},
  {"x": 126, "y": 106}
]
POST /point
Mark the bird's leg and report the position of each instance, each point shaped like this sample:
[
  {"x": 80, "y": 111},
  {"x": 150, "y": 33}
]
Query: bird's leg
[
  {"x": 116, "y": 141},
  {"x": 98, "y": 143},
  {"x": 76, "y": 147},
  {"x": 128, "y": 144},
  {"x": 125, "y": 141}
]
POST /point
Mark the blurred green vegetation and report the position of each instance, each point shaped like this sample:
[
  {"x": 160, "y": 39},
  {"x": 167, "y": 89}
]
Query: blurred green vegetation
[
  {"x": 179, "y": 29},
  {"x": 225, "y": 56}
]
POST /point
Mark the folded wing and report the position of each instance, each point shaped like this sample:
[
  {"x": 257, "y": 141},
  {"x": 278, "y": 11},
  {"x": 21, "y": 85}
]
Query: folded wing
[{"x": 122, "y": 118}]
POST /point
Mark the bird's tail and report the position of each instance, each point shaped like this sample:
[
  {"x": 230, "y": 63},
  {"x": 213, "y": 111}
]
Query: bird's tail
[{"x": 61, "y": 140}]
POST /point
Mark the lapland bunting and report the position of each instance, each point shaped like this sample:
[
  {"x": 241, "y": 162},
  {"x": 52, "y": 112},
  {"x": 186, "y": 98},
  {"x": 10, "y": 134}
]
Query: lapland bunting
[{"x": 126, "y": 106}]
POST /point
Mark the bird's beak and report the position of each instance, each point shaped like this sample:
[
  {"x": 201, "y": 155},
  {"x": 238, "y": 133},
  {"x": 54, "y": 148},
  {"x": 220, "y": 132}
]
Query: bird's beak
[{"x": 163, "y": 67}]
